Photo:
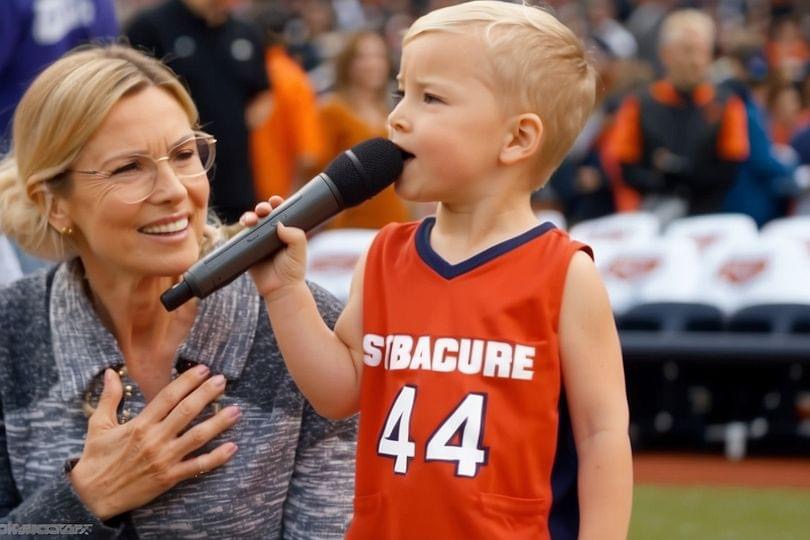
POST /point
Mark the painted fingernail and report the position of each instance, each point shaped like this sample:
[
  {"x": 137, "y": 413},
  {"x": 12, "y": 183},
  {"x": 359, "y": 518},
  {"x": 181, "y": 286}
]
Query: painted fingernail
[
  {"x": 202, "y": 369},
  {"x": 232, "y": 448},
  {"x": 234, "y": 412},
  {"x": 218, "y": 381}
]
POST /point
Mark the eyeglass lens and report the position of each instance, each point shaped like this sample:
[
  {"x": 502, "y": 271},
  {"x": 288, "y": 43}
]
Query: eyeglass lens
[{"x": 137, "y": 175}]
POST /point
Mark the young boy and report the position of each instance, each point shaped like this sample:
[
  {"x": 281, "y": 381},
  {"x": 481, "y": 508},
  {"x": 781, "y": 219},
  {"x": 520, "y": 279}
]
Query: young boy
[{"x": 468, "y": 337}]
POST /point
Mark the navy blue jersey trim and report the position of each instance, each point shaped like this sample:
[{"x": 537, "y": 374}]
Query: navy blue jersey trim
[
  {"x": 563, "y": 519},
  {"x": 450, "y": 271}
]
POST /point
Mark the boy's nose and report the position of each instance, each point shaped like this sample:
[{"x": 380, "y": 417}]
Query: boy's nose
[{"x": 397, "y": 122}]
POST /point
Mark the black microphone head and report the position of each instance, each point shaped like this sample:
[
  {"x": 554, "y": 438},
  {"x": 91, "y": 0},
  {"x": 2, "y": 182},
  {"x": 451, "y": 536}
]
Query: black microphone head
[{"x": 365, "y": 169}]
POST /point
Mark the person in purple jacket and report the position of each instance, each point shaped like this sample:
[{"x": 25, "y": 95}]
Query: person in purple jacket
[{"x": 34, "y": 33}]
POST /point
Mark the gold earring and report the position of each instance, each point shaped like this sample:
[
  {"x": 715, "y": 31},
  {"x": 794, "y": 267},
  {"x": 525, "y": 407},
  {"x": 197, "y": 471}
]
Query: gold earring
[{"x": 66, "y": 231}]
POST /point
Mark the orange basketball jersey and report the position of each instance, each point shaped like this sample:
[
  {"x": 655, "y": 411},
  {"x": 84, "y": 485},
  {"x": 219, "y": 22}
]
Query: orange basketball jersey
[{"x": 464, "y": 432}]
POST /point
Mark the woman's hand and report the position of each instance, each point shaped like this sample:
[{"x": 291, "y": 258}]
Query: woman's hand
[
  {"x": 124, "y": 466},
  {"x": 287, "y": 267}
]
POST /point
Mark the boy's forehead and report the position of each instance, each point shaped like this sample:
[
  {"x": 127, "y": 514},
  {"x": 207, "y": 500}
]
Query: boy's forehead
[{"x": 441, "y": 53}]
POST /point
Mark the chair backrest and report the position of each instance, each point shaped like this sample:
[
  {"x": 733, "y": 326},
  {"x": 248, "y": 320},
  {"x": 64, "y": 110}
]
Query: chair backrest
[
  {"x": 764, "y": 271},
  {"x": 624, "y": 228},
  {"x": 332, "y": 256},
  {"x": 714, "y": 231},
  {"x": 793, "y": 228},
  {"x": 9, "y": 264},
  {"x": 661, "y": 270}
]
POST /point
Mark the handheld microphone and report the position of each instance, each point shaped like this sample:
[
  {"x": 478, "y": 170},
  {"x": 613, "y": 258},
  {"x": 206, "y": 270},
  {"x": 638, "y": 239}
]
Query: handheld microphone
[{"x": 354, "y": 176}]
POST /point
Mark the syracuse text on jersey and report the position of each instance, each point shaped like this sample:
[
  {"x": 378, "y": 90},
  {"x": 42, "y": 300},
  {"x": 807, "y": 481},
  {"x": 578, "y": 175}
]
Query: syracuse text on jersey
[{"x": 445, "y": 354}]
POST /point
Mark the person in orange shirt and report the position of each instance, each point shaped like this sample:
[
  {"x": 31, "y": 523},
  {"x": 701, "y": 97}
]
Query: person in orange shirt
[
  {"x": 288, "y": 145},
  {"x": 357, "y": 111},
  {"x": 680, "y": 140}
]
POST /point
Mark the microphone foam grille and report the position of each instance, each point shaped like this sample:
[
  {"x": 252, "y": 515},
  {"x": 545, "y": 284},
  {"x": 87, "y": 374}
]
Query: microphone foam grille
[{"x": 366, "y": 169}]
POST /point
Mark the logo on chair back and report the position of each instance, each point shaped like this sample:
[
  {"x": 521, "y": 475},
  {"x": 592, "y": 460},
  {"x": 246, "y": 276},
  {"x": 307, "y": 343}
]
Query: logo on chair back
[
  {"x": 633, "y": 268},
  {"x": 740, "y": 272},
  {"x": 703, "y": 241}
]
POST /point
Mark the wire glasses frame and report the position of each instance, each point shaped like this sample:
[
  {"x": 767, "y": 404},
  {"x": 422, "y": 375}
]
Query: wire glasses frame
[{"x": 134, "y": 177}]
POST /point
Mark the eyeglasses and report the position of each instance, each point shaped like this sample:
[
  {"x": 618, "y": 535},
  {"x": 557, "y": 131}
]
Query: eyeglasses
[{"x": 134, "y": 177}]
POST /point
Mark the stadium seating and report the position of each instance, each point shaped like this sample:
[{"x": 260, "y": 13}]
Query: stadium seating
[
  {"x": 714, "y": 231},
  {"x": 332, "y": 256},
  {"x": 714, "y": 319}
]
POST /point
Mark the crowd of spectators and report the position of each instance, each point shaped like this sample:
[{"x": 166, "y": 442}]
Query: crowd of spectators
[
  {"x": 699, "y": 116},
  {"x": 728, "y": 128}
]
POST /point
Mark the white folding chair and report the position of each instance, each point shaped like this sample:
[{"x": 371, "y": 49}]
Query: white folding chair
[
  {"x": 657, "y": 271},
  {"x": 9, "y": 265},
  {"x": 793, "y": 228},
  {"x": 622, "y": 228},
  {"x": 332, "y": 256},
  {"x": 764, "y": 271},
  {"x": 713, "y": 231}
]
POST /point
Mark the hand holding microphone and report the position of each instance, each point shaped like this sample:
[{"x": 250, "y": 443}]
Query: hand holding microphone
[
  {"x": 354, "y": 176},
  {"x": 288, "y": 267}
]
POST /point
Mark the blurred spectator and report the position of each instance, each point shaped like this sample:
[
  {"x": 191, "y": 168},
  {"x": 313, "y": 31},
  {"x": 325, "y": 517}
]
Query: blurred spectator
[
  {"x": 315, "y": 40},
  {"x": 621, "y": 78},
  {"x": 801, "y": 143},
  {"x": 644, "y": 22},
  {"x": 787, "y": 50},
  {"x": 784, "y": 109},
  {"x": 764, "y": 181},
  {"x": 356, "y": 111},
  {"x": 608, "y": 31},
  {"x": 221, "y": 60},
  {"x": 33, "y": 33},
  {"x": 289, "y": 143},
  {"x": 680, "y": 140}
]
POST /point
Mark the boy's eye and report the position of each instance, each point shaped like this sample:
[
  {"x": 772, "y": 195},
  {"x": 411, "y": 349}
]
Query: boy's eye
[{"x": 430, "y": 98}]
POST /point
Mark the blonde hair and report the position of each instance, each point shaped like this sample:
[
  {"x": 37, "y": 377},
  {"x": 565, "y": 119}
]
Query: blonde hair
[
  {"x": 58, "y": 114},
  {"x": 537, "y": 63},
  {"x": 679, "y": 23}
]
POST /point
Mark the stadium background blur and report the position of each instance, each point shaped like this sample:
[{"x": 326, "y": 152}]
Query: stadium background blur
[{"x": 718, "y": 368}]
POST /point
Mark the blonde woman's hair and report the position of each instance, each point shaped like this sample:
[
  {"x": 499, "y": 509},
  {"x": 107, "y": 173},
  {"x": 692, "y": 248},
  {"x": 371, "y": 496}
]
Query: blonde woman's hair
[
  {"x": 681, "y": 23},
  {"x": 537, "y": 64},
  {"x": 56, "y": 117}
]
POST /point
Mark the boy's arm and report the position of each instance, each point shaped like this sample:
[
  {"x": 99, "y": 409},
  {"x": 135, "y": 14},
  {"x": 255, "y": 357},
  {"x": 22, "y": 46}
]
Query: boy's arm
[
  {"x": 325, "y": 364},
  {"x": 594, "y": 385}
]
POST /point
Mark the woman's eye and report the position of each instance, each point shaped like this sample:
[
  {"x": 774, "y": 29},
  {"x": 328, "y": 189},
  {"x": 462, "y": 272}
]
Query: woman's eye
[
  {"x": 183, "y": 155},
  {"x": 125, "y": 169}
]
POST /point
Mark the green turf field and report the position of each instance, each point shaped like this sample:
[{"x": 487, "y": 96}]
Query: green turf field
[{"x": 718, "y": 513}]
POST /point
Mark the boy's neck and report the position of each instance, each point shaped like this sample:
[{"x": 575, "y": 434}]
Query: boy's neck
[{"x": 461, "y": 232}]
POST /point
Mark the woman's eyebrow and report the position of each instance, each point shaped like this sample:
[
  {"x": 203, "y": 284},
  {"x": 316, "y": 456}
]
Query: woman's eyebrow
[{"x": 128, "y": 153}]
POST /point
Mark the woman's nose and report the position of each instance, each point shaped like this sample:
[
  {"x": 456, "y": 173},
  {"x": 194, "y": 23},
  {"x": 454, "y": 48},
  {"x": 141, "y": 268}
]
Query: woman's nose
[{"x": 168, "y": 185}]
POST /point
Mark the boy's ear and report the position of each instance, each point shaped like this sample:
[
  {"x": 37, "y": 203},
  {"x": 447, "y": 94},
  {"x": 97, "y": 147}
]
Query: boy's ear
[{"x": 523, "y": 139}]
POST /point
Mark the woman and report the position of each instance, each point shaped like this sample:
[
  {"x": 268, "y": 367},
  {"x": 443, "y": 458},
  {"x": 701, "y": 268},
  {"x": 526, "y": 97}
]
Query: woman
[
  {"x": 198, "y": 428},
  {"x": 356, "y": 111}
]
